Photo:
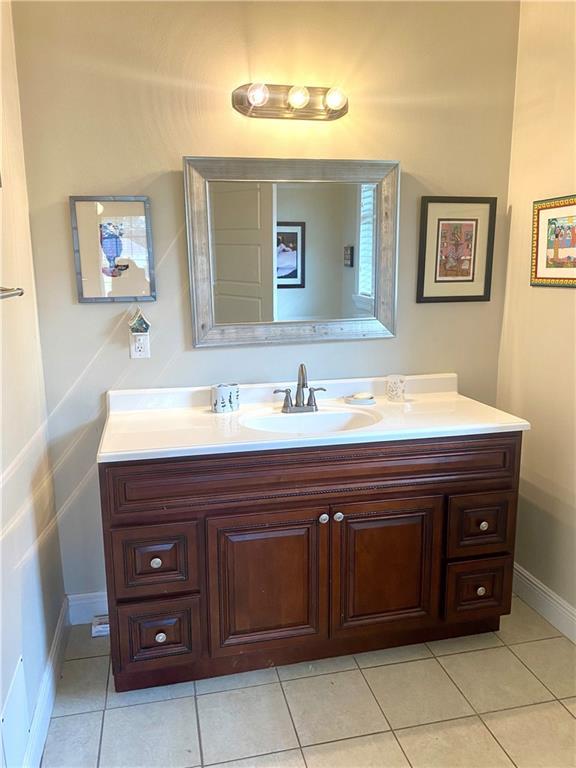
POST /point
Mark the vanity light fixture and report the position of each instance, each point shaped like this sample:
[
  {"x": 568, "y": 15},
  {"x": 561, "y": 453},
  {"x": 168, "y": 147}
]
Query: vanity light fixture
[{"x": 294, "y": 102}]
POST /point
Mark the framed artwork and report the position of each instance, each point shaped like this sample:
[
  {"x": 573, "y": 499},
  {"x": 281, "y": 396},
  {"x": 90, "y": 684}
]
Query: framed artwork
[
  {"x": 112, "y": 239},
  {"x": 290, "y": 254},
  {"x": 348, "y": 255},
  {"x": 456, "y": 249},
  {"x": 554, "y": 242}
]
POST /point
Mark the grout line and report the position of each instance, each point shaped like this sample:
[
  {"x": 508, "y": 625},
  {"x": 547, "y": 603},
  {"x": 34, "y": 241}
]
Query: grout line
[
  {"x": 104, "y": 712},
  {"x": 384, "y": 715},
  {"x": 563, "y": 702},
  {"x": 292, "y": 719},
  {"x": 154, "y": 701},
  {"x": 533, "y": 673},
  {"x": 236, "y": 688},
  {"x": 538, "y": 640},
  {"x": 251, "y": 757},
  {"x": 200, "y": 748}
]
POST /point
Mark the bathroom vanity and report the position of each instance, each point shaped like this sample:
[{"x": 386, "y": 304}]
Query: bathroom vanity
[{"x": 244, "y": 540}]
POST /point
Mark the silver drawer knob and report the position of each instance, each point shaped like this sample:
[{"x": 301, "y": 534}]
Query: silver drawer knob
[
  {"x": 160, "y": 637},
  {"x": 324, "y": 518},
  {"x": 338, "y": 517},
  {"x": 481, "y": 591},
  {"x": 155, "y": 562},
  {"x": 484, "y": 525}
]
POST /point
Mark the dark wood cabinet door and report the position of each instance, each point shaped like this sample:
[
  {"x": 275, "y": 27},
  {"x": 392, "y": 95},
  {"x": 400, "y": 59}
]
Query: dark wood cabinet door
[
  {"x": 268, "y": 579},
  {"x": 385, "y": 564}
]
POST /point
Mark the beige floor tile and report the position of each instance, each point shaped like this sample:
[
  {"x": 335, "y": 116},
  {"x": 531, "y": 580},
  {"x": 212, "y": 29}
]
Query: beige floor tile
[
  {"x": 240, "y": 680},
  {"x": 332, "y": 707},
  {"x": 82, "y": 686},
  {"x": 290, "y": 759},
  {"x": 465, "y": 743},
  {"x": 81, "y": 644},
  {"x": 244, "y": 723},
  {"x": 541, "y": 736},
  {"x": 146, "y": 695},
  {"x": 524, "y": 624},
  {"x": 155, "y": 735},
  {"x": 553, "y": 662},
  {"x": 416, "y": 692},
  {"x": 318, "y": 667},
  {"x": 494, "y": 679},
  {"x": 392, "y": 655},
  {"x": 73, "y": 741},
  {"x": 380, "y": 750},
  {"x": 570, "y": 705},
  {"x": 461, "y": 644}
]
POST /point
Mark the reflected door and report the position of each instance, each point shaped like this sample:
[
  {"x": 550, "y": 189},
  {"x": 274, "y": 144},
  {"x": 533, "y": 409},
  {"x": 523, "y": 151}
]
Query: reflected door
[{"x": 243, "y": 224}]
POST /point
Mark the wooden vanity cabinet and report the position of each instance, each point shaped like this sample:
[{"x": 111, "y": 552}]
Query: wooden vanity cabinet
[{"x": 219, "y": 564}]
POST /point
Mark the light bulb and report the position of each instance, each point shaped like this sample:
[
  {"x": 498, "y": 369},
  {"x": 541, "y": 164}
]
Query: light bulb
[
  {"x": 335, "y": 99},
  {"x": 298, "y": 96},
  {"x": 258, "y": 94}
]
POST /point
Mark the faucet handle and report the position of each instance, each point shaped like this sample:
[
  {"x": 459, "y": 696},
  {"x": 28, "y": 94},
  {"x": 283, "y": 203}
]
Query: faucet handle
[
  {"x": 312, "y": 397},
  {"x": 287, "y": 397}
]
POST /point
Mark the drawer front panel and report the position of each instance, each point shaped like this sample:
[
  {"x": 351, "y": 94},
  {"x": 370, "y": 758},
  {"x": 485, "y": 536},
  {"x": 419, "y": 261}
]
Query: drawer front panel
[
  {"x": 156, "y": 560},
  {"x": 481, "y": 524},
  {"x": 162, "y": 489},
  {"x": 159, "y": 634},
  {"x": 478, "y": 589}
]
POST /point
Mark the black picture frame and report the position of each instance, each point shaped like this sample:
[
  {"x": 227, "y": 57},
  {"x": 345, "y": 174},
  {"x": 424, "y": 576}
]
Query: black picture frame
[
  {"x": 425, "y": 249},
  {"x": 298, "y": 228}
]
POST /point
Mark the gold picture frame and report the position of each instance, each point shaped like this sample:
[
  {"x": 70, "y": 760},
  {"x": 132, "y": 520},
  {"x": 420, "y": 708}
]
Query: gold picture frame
[{"x": 554, "y": 242}]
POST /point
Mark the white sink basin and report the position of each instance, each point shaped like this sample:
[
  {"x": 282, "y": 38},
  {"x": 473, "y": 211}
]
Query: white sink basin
[{"x": 325, "y": 421}]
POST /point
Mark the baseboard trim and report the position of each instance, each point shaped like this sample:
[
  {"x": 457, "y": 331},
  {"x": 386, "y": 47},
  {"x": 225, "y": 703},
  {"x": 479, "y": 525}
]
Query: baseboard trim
[
  {"x": 46, "y": 694},
  {"x": 83, "y": 607},
  {"x": 550, "y": 605}
]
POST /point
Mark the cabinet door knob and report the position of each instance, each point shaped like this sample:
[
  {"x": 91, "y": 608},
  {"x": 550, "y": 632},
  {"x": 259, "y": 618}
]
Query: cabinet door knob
[
  {"x": 481, "y": 591},
  {"x": 338, "y": 517},
  {"x": 155, "y": 562},
  {"x": 160, "y": 637},
  {"x": 324, "y": 518},
  {"x": 484, "y": 525}
]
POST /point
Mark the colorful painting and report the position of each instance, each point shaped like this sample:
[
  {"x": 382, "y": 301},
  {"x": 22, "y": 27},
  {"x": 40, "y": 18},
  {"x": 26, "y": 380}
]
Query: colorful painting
[
  {"x": 290, "y": 254},
  {"x": 561, "y": 245},
  {"x": 554, "y": 242},
  {"x": 456, "y": 250}
]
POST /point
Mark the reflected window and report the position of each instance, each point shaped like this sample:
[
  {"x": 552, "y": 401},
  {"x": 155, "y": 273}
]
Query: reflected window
[{"x": 366, "y": 237}]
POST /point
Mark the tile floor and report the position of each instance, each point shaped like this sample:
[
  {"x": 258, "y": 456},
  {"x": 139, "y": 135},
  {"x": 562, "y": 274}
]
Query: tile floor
[{"x": 498, "y": 699}]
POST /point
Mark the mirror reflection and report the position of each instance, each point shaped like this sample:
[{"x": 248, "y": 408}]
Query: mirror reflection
[{"x": 292, "y": 251}]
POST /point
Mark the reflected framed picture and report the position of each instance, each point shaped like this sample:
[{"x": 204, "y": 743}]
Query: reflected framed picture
[
  {"x": 554, "y": 242},
  {"x": 456, "y": 249},
  {"x": 290, "y": 254},
  {"x": 112, "y": 239}
]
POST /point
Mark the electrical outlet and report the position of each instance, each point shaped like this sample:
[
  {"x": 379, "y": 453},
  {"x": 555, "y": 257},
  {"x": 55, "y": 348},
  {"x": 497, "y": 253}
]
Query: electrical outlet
[{"x": 139, "y": 345}]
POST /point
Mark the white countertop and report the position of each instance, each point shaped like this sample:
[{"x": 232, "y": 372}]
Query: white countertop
[{"x": 165, "y": 423}]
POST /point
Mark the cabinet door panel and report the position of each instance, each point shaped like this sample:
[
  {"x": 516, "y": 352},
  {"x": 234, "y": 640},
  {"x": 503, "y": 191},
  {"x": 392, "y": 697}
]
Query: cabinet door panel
[
  {"x": 386, "y": 563},
  {"x": 268, "y": 579}
]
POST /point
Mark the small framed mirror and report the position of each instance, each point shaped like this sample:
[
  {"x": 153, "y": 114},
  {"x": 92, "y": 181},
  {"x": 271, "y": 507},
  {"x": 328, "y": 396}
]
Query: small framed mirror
[
  {"x": 288, "y": 251},
  {"x": 112, "y": 239}
]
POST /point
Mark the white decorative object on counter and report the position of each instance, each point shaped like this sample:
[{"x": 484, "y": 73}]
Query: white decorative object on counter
[
  {"x": 395, "y": 388},
  {"x": 361, "y": 398},
  {"x": 225, "y": 398}
]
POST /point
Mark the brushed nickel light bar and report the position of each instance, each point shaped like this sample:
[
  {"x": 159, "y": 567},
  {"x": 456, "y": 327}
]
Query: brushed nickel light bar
[{"x": 291, "y": 102}]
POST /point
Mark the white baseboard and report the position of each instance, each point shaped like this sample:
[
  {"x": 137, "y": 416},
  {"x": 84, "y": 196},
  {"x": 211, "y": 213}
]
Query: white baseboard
[
  {"x": 46, "y": 694},
  {"x": 551, "y": 606},
  {"x": 83, "y": 607}
]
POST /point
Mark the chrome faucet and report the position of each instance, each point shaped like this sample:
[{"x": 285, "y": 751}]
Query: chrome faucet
[{"x": 298, "y": 406}]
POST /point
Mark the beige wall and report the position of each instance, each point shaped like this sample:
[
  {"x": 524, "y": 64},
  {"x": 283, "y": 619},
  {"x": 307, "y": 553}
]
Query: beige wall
[
  {"x": 31, "y": 573},
  {"x": 114, "y": 94},
  {"x": 537, "y": 371}
]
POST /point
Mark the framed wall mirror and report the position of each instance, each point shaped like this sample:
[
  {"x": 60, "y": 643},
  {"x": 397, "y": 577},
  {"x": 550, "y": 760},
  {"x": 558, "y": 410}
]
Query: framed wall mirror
[{"x": 327, "y": 230}]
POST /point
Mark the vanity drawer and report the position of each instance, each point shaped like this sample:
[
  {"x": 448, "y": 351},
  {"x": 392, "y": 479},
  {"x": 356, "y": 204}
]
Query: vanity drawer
[
  {"x": 159, "y": 634},
  {"x": 156, "y": 560},
  {"x": 478, "y": 589},
  {"x": 481, "y": 524}
]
